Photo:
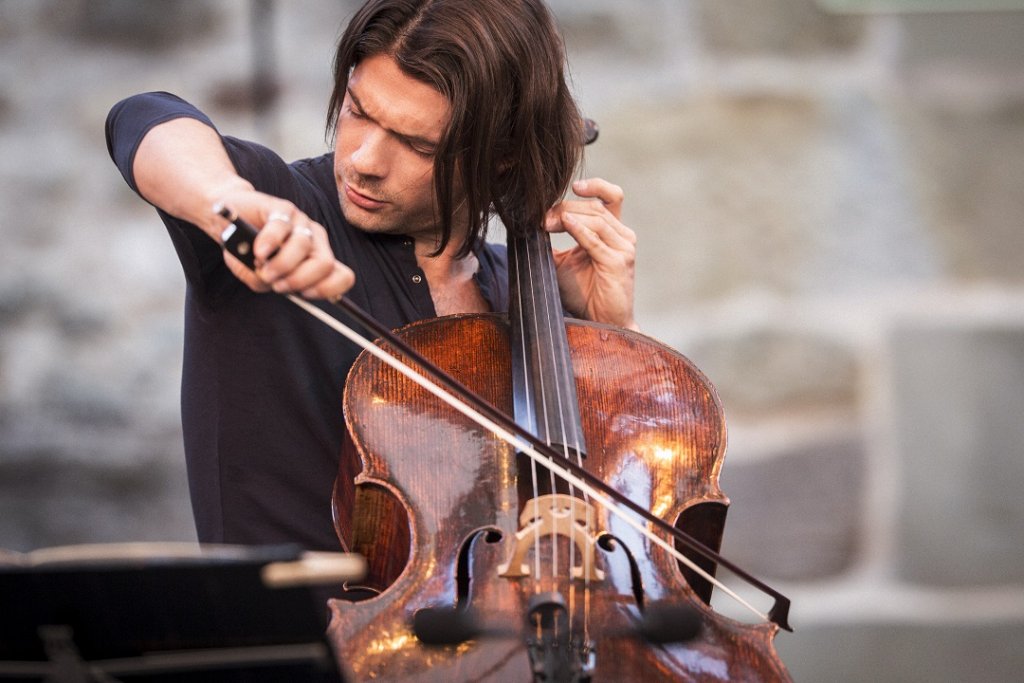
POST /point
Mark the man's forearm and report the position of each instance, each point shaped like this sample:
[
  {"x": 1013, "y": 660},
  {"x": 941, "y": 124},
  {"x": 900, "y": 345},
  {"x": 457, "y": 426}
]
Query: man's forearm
[{"x": 181, "y": 166}]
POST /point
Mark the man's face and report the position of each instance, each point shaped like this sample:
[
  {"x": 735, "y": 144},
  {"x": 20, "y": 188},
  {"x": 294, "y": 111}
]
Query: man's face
[{"x": 388, "y": 130}]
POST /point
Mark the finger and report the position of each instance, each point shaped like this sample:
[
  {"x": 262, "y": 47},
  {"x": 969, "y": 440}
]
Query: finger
[
  {"x": 609, "y": 194},
  {"x": 243, "y": 273},
  {"x": 589, "y": 208},
  {"x": 611, "y": 232},
  {"x": 277, "y": 225},
  {"x": 602, "y": 244},
  {"x": 306, "y": 275},
  {"x": 299, "y": 245},
  {"x": 594, "y": 207},
  {"x": 338, "y": 281},
  {"x": 584, "y": 235}
]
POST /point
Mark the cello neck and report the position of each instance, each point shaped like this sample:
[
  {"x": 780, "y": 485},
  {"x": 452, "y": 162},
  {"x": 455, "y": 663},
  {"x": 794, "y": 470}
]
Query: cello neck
[{"x": 544, "y": 386}]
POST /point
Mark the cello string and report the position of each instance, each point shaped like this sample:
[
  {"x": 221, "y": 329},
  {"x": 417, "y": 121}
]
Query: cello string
[
  {"x": 518, "y": 443},
  {"x": 543, "y": 428},
  {"x": 526, "y": 247},
  {"x": 540, "y": 248},
  {"x": 577, "y": 438},
  {"x": 534, "y": 420},
  {"x": 532, "y": 245}
]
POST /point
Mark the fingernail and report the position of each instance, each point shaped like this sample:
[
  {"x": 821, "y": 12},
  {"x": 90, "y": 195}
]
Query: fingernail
[{"x": 579, "y": 185}]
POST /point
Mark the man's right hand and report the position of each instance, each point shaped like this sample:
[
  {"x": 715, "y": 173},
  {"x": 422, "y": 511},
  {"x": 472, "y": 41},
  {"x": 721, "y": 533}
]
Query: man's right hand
[{"x": 293, "y": 253}]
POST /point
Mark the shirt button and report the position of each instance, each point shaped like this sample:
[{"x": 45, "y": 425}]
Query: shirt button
[{"x": 416, "y": 279}]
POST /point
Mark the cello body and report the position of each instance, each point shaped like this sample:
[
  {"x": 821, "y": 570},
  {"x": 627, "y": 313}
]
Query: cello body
[{"x": 448, "y": 501}]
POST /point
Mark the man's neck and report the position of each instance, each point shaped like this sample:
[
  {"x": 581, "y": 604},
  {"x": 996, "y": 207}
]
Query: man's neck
[{"x": 452, "y": 285}]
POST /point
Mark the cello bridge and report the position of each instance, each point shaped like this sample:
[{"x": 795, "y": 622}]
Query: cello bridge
[{"x": 556, "y": 514}]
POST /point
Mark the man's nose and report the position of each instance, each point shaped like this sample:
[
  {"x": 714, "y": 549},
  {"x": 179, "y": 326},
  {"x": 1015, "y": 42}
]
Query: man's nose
[{"x": 370, "y": 157}]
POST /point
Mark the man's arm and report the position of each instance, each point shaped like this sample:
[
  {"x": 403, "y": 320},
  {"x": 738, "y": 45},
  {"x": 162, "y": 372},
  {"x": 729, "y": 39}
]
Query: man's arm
[{"x": 182, "y": 167}]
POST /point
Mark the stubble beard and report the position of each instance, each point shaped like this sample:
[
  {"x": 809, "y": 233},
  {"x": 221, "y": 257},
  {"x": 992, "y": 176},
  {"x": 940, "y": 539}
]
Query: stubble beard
[
  {"x": 391, "y": 219},
  {"x": 364, "y": 220},
  {"x": 363, "y": 223}
]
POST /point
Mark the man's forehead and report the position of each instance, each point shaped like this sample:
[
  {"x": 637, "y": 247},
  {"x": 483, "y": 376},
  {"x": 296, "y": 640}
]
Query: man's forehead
[{"x": 397, "y": 101}]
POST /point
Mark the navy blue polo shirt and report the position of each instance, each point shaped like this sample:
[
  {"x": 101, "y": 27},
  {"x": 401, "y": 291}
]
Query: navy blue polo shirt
[{"x": 262, "y": 381}]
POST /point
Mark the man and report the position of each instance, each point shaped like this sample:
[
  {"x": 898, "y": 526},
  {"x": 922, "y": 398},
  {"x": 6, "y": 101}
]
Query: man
[{"x": 443, "y": 112}]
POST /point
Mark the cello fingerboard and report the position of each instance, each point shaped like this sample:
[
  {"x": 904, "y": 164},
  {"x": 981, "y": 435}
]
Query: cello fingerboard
[{"x": 544, "y": 385}]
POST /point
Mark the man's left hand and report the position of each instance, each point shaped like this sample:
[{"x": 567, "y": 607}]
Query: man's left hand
[{"x": 595, "y": 276}]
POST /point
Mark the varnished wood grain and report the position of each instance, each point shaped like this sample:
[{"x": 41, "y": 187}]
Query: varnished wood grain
[{"x": 654, "y": 430}]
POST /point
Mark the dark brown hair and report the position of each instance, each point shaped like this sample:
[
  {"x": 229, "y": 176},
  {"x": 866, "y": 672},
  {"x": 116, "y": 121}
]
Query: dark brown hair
[{"x": 515, "y": 134}]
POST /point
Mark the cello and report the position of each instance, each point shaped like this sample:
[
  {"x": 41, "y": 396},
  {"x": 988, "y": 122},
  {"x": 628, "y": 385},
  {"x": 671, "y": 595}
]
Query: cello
[{"x": 497, "y": 559}]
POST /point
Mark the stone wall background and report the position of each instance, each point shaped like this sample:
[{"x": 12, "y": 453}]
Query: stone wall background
[{"x": 830, "y": 213}]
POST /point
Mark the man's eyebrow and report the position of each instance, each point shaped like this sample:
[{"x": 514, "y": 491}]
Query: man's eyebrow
[{"x": 408, "y": 139}]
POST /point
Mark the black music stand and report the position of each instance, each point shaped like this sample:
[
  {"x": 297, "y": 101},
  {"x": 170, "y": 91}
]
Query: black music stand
[{"x": 206, "y": 617}]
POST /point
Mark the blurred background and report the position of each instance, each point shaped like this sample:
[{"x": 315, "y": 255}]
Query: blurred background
[{"x": 829, "y": 197}]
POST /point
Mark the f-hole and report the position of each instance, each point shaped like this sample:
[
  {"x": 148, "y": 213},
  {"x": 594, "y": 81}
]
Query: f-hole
[
  {"x": 463, "y": 575},
  {"x": 705, "y": 522}
]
